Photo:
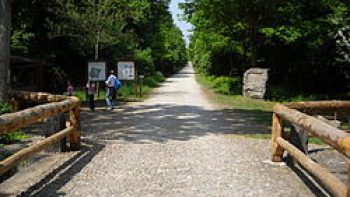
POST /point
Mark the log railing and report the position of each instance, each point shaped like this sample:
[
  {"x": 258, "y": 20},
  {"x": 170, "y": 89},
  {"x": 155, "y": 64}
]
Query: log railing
[
  {"x": 51, "y": 105},
  {"x": 336, "y": 138}
]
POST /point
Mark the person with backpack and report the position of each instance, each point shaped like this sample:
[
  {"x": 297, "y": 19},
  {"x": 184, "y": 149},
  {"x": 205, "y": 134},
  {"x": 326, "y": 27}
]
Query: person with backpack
[{"x": 113, "y": 84}]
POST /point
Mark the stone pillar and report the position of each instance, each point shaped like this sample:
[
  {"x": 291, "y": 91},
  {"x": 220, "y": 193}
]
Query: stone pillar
[{"x": 254, "y": 83}]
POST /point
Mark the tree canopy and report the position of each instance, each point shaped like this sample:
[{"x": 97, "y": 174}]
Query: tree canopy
[
  {"x": 302, "y": 42},
  {"x": 68, "y": 33}
]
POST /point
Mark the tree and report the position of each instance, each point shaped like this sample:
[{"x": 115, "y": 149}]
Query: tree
[
  {"x": 5, "y": 25},
  {"x": 95, "y": 23},
  {"x": 68, "y": 33},
  {"x": 296, "y": 39}
]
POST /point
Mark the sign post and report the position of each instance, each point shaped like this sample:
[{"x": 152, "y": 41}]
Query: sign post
[{"x": 126, "y": 70}]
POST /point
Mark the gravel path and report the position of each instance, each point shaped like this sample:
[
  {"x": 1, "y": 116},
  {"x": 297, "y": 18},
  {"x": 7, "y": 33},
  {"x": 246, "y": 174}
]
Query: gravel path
[{"x": 173, "y": 144}]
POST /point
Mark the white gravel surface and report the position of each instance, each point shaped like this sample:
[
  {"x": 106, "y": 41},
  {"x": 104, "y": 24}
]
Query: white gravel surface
[{"x": 173, "y": 144}]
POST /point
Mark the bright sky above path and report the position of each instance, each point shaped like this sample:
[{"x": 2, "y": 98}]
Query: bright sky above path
[{"x": 183, "y": 25}]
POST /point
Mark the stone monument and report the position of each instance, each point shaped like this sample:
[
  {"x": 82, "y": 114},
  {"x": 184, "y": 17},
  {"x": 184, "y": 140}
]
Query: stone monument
[{"x": 254, "y": 83}]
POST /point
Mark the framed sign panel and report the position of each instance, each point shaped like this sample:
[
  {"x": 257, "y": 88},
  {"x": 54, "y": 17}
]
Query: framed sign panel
[
  {"x": 126, "y": 70},
  {"x": 97, "y": 71}
]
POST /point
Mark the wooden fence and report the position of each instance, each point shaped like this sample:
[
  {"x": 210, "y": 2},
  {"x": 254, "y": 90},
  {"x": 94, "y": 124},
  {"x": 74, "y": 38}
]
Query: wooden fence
[
  {"x": 50, "y": 105},
  {"x": 334, "y": 137}
]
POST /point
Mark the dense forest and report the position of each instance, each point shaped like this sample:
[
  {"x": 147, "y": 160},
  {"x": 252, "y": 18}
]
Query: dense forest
[
  {"x": 304, "y": 43},
  {"x": 66, "y": 34}
]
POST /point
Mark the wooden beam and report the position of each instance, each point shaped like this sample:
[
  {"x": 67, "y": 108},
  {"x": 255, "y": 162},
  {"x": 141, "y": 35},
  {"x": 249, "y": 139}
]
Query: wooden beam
[
  {"x": 277, "y": 131},
  {"x": 334, "y": 137},
  {"x": 321, "y": 106},
  {"x": 331, "y": 182},
  {"x": 74, "y": 117},
  {"x": 13, "y": 121},
  {"x": 25, "y": 153},
  {"x": 38, "y": 97},
  {"x": 348, "y": 191}
]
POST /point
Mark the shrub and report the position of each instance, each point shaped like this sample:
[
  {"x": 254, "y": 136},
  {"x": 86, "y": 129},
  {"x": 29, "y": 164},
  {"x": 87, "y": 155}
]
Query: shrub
[
  {"x": 126, "y": 90},
  {"x": 226, "y": 85},
  {"x": 5, "y": 108},
  {"x": 154, "y": 79},
  {"x": 10, "y": 138}
]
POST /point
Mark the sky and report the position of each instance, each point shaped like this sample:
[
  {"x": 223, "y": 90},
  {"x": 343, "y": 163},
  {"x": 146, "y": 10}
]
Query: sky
[{"x": 184, "y": 26}]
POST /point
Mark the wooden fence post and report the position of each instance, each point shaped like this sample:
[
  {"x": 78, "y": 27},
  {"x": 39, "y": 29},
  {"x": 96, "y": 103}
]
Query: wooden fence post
[
  {"x": 63, "y": 142},
  {"x": 75, "y": 122},
  {"x": 277, "y": 131},
  {"x": 348, "y": 183}
]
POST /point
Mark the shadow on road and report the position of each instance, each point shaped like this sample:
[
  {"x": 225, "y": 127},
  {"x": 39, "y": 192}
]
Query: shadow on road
[
  {"x": 163, "y": 122},
  {"x": 50, "y": 185}
]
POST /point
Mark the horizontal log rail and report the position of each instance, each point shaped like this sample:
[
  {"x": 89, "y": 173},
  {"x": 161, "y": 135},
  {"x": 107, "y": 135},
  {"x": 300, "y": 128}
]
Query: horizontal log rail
[
  {"x": 38, "y": 97},
  {"x": 336, "y": 138},
  {"x": 331, "y": 182},
  {"x": 13, "y": 121},
  {"x": 53, "y": 105},
  {"x": 331, "y": 135},
  {"x": 25, "y": 153},
  {"x": 321, "y": 106}
]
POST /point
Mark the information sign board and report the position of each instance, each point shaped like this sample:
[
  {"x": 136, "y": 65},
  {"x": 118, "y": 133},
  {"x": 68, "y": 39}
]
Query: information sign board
[
  {"x": 126, "y": 70},
  {"x": 96, "y": 71}
]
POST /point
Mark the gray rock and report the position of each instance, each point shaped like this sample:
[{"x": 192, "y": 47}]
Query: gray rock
[{"x": 254, "y": 83}]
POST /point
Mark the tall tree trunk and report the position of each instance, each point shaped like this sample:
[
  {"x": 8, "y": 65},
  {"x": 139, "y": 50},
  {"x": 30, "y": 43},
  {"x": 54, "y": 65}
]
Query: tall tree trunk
[
  {"x": 5, "y": 25},
  {"x": 97, "y": 45}
]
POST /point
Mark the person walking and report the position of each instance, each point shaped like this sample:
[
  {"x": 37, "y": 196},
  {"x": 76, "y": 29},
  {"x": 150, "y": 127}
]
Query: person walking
[
  {"x": 111, "y": 92},
  {"x": 91, "y": 90}
]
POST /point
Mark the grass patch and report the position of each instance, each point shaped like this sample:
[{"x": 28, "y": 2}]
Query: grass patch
[
  {"x": 259, "y": 110},
  {"x": 315, "y": 140},
  {"x": 13, "y": 137},
  {"x": 5, "y": 108},
  {"x": 234, "y": 101}
]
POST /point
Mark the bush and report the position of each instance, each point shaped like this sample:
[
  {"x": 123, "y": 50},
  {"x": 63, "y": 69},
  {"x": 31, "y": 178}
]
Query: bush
[
  {"x": 5, "y": 108},
  {"x": 154, "y": 79},
  {"x": 126, "y": 90},
  {"x": 10, "y": 138},
  {"x": 226, "y": 85}
]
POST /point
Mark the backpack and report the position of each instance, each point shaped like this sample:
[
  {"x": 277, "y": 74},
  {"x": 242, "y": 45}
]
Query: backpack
[{"x": 117, "y": 84}]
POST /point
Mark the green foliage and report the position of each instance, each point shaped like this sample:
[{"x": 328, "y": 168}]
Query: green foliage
[
  {"x": 302, "y": 42},
  {"x": 5, "y": 108},
  {"x": 20, "y": 40},
  {"x": 13, "y": 137},
  {"x": 154, "y": 79},
  {"x": 145, "y": 61},
  {"x": 67, "y": 34},
  {"x": 127, "y": 90},
  {"x": 222, "y": 85},
  {"x": 227, "y": 85}
]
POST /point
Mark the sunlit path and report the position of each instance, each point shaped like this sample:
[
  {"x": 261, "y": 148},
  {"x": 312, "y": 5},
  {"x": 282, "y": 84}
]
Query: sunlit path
[{"x": 173, "y": 144}]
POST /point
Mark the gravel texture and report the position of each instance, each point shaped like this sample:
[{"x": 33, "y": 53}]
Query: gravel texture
[{"x": 173, "y": 144}]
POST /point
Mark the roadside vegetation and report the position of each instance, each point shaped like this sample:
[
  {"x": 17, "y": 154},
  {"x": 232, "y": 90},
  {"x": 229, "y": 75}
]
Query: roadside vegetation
[
  {"x": 67, "y": 34},
  {"x": 304, "y": 44},
  {"x": 259, "y": 110},
  {"x": 13, "y": 137}
]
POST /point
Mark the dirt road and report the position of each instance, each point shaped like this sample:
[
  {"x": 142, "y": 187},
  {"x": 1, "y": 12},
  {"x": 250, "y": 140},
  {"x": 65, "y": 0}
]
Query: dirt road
[{"x": 175, "y": 143}]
